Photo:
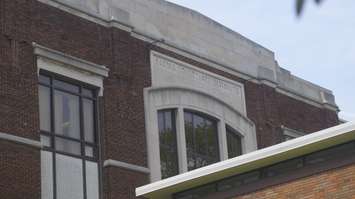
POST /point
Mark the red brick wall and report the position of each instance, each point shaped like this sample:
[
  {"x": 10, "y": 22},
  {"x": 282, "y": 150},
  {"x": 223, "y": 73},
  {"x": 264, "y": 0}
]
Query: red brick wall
[
  {"x": 19, "y": 171},
  {"x": 122, "y": 109},
  {"x": 121, "y": 183},
  {"x": 334, "y": 184}
]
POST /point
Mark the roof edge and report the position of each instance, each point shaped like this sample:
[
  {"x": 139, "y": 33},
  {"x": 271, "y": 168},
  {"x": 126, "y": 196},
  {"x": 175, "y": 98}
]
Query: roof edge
[{"x": 310, "y": 143}]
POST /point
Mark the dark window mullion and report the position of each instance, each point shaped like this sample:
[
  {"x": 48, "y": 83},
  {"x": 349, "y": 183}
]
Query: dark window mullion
[
  {"x": 175, "y": 150},
  {"x": 218, "y": 157},
  {"x": 95, "y": 115},
  {"x": 193, "y": 141},
  {"x": 69, "y": 92},
  {"x": 68, "y": 138},
  {"x": 70, "y": 154},
  {"x": 53, "y": 138},
  {"x": 205, "y": 135},
  {"x": 82, "y": 141},
  {"x": 98, "y": 141}
]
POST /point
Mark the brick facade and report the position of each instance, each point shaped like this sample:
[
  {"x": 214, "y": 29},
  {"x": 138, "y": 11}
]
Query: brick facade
[
  {"x": 20, "y": 171},
  {"x": 338, "y": 183},
  {"x": 23, "y": 22}
]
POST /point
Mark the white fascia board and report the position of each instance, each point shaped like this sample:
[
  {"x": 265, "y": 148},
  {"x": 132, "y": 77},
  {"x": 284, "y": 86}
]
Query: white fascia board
[{"x": 257, "y": 159}]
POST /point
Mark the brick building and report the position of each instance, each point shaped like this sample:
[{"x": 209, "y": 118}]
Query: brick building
[
  {"x": 100, "y": 97},
  {"x": 318, "y": 165}
]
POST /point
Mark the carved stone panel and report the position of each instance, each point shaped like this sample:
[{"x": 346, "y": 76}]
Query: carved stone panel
[{"x": 170, "y": 72}]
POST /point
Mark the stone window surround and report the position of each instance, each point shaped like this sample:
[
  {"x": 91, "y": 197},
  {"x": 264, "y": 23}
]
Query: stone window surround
[
  {"x": 291, "y": 132},
  {"x": 247, "y": 132},
  {"x": 69, "y": 66}
]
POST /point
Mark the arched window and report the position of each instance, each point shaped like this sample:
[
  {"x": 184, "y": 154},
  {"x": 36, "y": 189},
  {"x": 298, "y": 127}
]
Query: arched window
[
  {"x": 187, "y": 130},
  {"x": 201, "y": 140}
]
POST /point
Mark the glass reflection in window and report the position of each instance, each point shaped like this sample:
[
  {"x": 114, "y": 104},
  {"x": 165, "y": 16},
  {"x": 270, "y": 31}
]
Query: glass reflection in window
[
  {"x": 234, "y": 143},
  {"x": 168, "y": 145},
  {"x": 201, "y": 140}
]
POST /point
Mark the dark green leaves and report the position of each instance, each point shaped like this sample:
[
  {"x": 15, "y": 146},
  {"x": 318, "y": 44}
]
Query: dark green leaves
[{"x": 300, "y": 5}]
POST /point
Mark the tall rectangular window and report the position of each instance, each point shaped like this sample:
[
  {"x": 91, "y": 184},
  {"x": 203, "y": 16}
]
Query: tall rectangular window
[
  {"x": 234, "y": 143},
  {"x": 168, "y": 143},
  {"x": 201, "y": 140},
  {"x": 68, "y": 132}
]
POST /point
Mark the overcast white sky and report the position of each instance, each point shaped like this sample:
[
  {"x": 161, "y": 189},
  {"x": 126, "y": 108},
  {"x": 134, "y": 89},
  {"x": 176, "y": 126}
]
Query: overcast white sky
[{"x": 319, "y": 46}]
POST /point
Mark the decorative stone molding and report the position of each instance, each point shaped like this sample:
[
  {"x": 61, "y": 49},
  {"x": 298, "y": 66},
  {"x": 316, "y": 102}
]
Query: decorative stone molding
[
  {"x": 124, "y": 165},
  {"x": 69, "y": 66},
  {"x": 170, "y": 72}
]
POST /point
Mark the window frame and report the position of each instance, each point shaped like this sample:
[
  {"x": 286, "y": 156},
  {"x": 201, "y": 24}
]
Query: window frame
[{"x": 52, "y": 135}]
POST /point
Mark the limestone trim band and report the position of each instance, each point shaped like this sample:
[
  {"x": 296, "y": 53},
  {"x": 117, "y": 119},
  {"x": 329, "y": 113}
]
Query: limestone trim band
[
  {"x": 264, "y": 75},
  {"x": 124, "y": 165},
  {"x": 20, "y": 140}
]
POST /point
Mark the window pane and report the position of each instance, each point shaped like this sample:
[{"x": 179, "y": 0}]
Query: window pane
[
  {"x": 189, "y": 130},
  {"x": 88, "y": 109},
  {"x": 44, "y": 108},
  {"x": 47, "y": 174},
  {"x": 89, "y": 151},
  {"x": 234, "y": 143},
  {"x": 212, "y": 140},
  {"x": 92, "y": 180},
  {"x": 284, "y": 168},
  {"x": 230, "y": 183},
  {"x": 67, "y": 117},
  {"x": 169, "y": 164},
  {"x": 323, "y": 156},
  {"x": 46, "y": 141},
  {"x": 201, "y": 140},
  {"x": 65, "y": 86},
  {"x": 168, "y": 148},
  {"x": 197, "y": 193},
  {"x": 87, "y": 92},
  {"x": 69, "y": 172},
  {"x": 44, "y": 79},
  {"x": 67, "y": 146},
  {"x": 200, "y": 135}
]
